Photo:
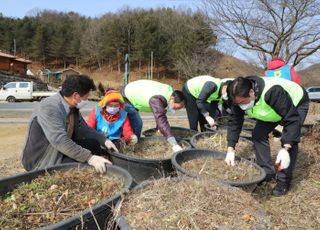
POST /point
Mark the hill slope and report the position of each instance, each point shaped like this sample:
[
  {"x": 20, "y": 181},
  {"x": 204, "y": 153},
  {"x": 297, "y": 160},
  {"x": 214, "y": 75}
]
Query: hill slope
[
  {"x": 310, "y": 76},
  {"x": 227, "y": 66}
]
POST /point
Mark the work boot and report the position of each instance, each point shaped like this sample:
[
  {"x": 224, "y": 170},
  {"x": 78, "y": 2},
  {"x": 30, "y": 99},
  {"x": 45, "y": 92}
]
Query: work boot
[{"x": 281, "y": 188}]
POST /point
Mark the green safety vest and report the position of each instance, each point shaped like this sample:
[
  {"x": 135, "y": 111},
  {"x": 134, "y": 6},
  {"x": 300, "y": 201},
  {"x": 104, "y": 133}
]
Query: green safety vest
[
  {"x": 139, "y": 93},
  {"x": 262, "y": 111},
  {"x": 196, "y": 84}
]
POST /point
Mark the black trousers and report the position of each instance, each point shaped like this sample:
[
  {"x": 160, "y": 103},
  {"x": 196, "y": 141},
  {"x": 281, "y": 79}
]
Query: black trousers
[
  {"x": 194, "y": 114},
  {"x": 90, "y": 144},
  {"x": 260, "y": 138}
]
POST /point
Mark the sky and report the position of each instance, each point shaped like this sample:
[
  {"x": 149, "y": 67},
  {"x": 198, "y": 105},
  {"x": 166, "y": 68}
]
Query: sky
[{"x": 92, "y": 8}]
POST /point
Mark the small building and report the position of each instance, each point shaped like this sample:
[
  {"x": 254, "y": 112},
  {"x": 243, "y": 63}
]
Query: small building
[
  {"x": 67, "y": 72},
  {"x": 20, "y": 65},
  {"x": 13, "y": 64},
  {"x": 57, "y": 76},
  {"x": 5, "y": 61}
]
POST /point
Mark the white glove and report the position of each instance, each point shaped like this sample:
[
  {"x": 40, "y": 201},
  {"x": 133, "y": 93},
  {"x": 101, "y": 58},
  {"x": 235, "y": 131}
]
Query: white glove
[
  {"x": 230, "y": 157},
  {"x": 99, "y": 163},
  {"x": 110, "y": 145},
  {"x": 283, "y": 159},
  {"x": 133, "y": 139},
  {"x": 210, "y": 121},
  {"x": 176, "y": 148}
]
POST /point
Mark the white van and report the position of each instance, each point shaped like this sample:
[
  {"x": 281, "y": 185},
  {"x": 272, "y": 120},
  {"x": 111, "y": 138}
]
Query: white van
[
  {"x": 314, "y": 93},
  {"x": 14, "y": 91}
]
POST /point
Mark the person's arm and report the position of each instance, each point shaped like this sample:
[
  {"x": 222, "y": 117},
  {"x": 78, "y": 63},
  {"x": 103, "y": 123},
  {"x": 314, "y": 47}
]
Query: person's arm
[
  {"x": 281, "y": 102},
  {"x": 294, "y": 76},
  {"x": 126, "y": 129},
  {"x": 52, "y": 121},
  {"x": 207, "y": 89},
  {"x": 87, "y": 132},
  {"x": 92, "y": 121},
  {"x": 235, "y": 125},
  {"x": 158, "y": 106}
]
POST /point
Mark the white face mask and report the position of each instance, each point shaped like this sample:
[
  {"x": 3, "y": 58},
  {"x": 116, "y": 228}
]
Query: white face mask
[
  {"x": 247, "y": 106},
  {"x": 225, "y": 97},
  {"x": 170, "y": 109},
  {"x": 82, "y": 104}
]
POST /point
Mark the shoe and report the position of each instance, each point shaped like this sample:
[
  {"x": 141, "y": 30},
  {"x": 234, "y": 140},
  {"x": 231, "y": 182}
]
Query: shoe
[
  {"x": 281, "y": 188},
  {"x": 268, "y": 178}
]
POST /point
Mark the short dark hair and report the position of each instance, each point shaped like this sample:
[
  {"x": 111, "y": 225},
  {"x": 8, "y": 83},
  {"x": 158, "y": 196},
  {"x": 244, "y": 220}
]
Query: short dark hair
[
  {"x": 81, "y": 84},
  {"x": 178, "y": 96},
  {"x": 239, "y": 87}
]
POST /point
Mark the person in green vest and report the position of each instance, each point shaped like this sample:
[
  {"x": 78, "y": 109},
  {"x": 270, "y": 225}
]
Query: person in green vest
[
  {"x": 203, "y": 95},
  {"x": 271, "y": 101},
  {"x": 155, "y": 97}
]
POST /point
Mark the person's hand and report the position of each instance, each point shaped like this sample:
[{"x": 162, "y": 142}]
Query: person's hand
[
  {"x": 210, "y": 121},
  {"x": 133, "y": 140},
  {"x": 283, "y": 159},
  {"x": 158, "y": 133},
  {"x": 230, "y": 156},
  {"x": 110, "y": 145},
  {"x": 99, "y": 163},
  {"x": 176, "y": 148}
]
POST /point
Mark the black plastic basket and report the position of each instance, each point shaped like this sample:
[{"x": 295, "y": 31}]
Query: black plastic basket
[
  {"x": 176, "y": 131},
  {"x": 143, "y": 169},
  {"x": 87, "y": 219},
  {"x": 190, "y": 154}
]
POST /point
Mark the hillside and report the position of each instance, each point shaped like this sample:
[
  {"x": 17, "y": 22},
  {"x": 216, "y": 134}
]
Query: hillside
[
  {"x": 227, "y": 66},
  {"x": 310, "y": 76}
]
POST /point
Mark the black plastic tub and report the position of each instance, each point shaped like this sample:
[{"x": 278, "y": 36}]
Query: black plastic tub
[
  {"x": 143, "y": 169},
  {"x": 87, "y": 219},
  {"x": 190, "y": 154},
  {"x": 178, "y": 132}
]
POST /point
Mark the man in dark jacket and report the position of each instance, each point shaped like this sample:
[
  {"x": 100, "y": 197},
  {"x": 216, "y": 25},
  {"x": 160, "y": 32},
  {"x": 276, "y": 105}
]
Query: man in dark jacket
[
  {"x": 270, "y": 101},
  {"x": 58, "y": 133},
  {"x": 155, "y": 97}
]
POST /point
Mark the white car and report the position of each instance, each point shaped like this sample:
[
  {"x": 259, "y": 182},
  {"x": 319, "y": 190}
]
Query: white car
[{"x": 314, "y": 93}]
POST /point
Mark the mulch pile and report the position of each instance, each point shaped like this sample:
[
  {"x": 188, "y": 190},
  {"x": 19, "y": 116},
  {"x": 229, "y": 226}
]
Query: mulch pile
[
  {"x": 217, "y": 169},
  {"x": 187, "y": 203},
  {"x": 150, "y": 148}
]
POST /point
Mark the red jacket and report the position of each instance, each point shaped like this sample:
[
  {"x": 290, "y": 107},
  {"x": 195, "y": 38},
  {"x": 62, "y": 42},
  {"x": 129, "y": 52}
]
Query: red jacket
[
  {"x": 126, "y": 127},
  {"x": 277, "y": 63}
]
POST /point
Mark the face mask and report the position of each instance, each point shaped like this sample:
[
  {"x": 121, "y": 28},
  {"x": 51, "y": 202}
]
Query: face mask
[
  {"x": 82, "y": 104},
  {"x": 112, "y": 110},
  {"x": 170, "y": 109},
  {"x": 225, "y": 97},
  {"x": 247, "y": 106}
]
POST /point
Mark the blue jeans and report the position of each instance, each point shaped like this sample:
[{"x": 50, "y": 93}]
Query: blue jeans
[{"x": 135, "y": 119}]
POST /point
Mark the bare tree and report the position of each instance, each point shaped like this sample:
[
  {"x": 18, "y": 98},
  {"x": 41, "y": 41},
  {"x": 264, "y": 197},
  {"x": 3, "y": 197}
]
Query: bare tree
[{"x": 285, "y": 28}]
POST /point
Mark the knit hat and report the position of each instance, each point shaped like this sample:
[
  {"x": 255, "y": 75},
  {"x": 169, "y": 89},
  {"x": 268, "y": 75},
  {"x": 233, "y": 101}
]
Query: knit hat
[{"x": 111, "y": 96}]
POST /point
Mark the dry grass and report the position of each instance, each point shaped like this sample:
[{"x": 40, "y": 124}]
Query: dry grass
[
  {"x": 300, "y": 208},
  {"x": 151, "y": 148},
  {"x": 54, "y": 197},
  {"x": 186, "y": 203},
  {"x": 218, "y": 142},
  {"x": 213, "y": 168}
]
